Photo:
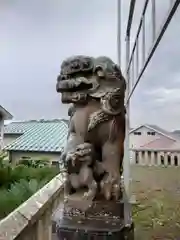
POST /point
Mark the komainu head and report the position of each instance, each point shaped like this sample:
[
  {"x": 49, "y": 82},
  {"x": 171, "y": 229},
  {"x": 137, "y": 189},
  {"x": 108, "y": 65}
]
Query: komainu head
[{"x": 83, "y": 76}]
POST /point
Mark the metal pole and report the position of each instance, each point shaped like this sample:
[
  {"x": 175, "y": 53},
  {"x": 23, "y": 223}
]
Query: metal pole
[
  {"x": 126, "y": 162},
  {"x": 138, "y": 31},
  {"x": 153, "y": 20},
  {"x": 132, "y": 73},
  {"x": 119, "y": 32},
  {"x": 137, "y": 57},
  {"x": 126, "y": 157},
  {"x": 143, "y": 41},
  {"x": 159, "y": 36},
  {"x": 130, "y": 17}
]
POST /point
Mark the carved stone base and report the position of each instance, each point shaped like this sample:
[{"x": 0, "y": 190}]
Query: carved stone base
[
  {"x": 83, "y": 234},
  {"x": 92, "y": 220}
]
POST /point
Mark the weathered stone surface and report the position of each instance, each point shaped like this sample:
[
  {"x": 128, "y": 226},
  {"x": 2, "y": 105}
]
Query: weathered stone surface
[
  {"x": 13, "y": 225},
  {"x": 100, "y": 219},
  {"x": 94, "y": 151},
  {"x": 31, "y": 211},
  {"x": 39, "y": 202}
]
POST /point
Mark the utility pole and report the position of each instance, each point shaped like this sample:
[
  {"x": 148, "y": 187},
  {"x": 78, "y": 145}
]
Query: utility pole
[{"x": 119, "y": 32}]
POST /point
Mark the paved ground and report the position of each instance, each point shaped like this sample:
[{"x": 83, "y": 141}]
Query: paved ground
[{"x": 157, "y": 189}]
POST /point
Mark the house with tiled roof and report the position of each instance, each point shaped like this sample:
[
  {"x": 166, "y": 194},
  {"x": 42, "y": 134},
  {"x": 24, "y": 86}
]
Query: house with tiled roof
[
  {"x": 4, "y": 115},
  {"x": 152, "y": 145},
  {"x": 35, "y": 139}
]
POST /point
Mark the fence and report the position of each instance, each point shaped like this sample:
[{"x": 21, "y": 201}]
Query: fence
[{"x": 134, "y": 71}]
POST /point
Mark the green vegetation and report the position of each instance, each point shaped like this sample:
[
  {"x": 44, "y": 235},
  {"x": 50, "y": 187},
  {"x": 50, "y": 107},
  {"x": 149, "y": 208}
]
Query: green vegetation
[
  {"x": 18, "y": 183},
  {"x": 157, "y": 212}
]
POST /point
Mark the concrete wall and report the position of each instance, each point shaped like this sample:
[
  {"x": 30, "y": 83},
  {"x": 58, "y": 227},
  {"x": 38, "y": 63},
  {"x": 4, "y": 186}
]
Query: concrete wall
[
  {"x": 15, "y": 156},
  {"x": 138, "y": 140},
  {"x": 9, "y": 138}
]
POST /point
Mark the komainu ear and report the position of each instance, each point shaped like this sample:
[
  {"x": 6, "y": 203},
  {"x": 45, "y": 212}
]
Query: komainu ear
[{"x": 99, "y": 71}]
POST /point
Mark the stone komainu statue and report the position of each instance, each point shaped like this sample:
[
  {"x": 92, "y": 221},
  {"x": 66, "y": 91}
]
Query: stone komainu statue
[{"x": 95, "y": 146}]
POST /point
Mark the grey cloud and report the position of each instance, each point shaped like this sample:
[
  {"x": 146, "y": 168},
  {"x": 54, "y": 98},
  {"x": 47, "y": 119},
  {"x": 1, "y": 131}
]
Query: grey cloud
[
  {"x": 156, "y": 96},
  {"x": 37, "y": 35}
]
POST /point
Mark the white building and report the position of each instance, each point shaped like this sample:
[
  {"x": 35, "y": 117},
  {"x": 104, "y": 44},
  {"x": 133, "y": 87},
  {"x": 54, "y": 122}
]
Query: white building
[
  {"x": 152, "y": 145},
  {"x": 147, "y": 133},
  {"x": 4, "y": 115}
]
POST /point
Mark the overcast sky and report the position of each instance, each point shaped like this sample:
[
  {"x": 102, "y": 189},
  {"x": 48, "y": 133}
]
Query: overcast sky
[{"x": 37, "y": 35}]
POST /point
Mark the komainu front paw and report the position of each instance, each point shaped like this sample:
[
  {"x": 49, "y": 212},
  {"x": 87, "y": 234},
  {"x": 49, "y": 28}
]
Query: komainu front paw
[
  {"x": 111, "y": 188},
  {"x": 116, "y": 191},
  {"x": 91, "y": 193},
  {"x": 106, "y": 188}
]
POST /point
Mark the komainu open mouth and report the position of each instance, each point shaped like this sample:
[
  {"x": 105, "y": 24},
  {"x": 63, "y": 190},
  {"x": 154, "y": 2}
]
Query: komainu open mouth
[{"x": 73, "y": 85}]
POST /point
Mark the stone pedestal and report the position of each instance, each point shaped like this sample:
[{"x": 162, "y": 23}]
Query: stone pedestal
[{"x": 93, "y": 220}]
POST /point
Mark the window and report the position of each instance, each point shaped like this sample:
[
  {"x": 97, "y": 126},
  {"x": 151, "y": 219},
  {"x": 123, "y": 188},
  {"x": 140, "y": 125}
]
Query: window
[
  {"x": 162, "y": 160},
  {"x": 151, "y": 133},
  {"x": 149, "y": 153},
  {"x": 137, "y": 157},
  {"x": 175, "y": 160},
  {"x": 137, "y": 133},
  {"x": 169, "y": 159}
]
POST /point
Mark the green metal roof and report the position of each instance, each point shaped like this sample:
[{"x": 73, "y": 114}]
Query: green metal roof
[
  {"x": 45, "y": 136},
  {"x": 21, "y": 127}
]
